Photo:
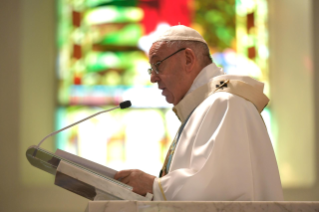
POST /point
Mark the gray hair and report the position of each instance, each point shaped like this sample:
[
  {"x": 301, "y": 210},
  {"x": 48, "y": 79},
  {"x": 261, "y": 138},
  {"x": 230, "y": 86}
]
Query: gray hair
[{"x": 200, "y": 49}]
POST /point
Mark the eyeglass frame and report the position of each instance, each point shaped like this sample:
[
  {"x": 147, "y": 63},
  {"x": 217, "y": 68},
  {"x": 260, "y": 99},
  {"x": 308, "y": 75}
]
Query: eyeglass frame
[{"x": 150, "y": 70}]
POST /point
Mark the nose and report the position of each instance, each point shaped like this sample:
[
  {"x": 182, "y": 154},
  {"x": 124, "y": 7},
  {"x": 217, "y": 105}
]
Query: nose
[{"x": 154, "y": 77}]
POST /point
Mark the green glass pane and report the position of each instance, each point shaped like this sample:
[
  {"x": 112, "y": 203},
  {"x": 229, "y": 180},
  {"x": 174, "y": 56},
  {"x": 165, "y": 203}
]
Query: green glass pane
[
  {"x": 95, "y": 3},
  {"x": 64, "y": 93},
  {"x": 127, "y": 36},
  {"x": 113, "y": 14},
  {"x": 216, "y": 22},
  {"x": 112, "y": 78},
  {"x": 64, "y": 25},
  {"x": 100, "y": 61}
]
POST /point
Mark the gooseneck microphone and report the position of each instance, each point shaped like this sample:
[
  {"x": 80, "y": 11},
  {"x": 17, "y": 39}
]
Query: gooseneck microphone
[
  {"x": 125, "y": 104},
  {"x": 122, "y": 105}
]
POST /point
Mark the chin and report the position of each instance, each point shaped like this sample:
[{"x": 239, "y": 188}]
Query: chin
[{"x": 169, "y": 100}]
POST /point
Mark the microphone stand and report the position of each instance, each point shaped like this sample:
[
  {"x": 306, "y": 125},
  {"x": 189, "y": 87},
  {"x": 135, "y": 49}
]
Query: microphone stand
[{"x": 122, "y": 105}]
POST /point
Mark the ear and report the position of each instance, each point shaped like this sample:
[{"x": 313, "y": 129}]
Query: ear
[{"x": 190, "y": 60}]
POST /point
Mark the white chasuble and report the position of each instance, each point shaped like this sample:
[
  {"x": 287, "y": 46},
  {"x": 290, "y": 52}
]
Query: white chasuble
[{"x": 224, "y": 152}]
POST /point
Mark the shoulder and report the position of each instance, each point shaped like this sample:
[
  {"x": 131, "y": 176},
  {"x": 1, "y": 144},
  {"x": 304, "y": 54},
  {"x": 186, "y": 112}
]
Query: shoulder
[
  {"x": 225, "y": 99},
  {"x": 220, "y": 105}
]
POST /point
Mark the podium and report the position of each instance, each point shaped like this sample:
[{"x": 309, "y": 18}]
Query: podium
[
  {"x": 187, "y": 206},
  {"x": 80, "y": 179}
]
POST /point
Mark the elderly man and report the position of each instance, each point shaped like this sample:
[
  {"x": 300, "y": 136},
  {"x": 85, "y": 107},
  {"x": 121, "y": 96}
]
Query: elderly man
[{"x": 222, "y": 151}]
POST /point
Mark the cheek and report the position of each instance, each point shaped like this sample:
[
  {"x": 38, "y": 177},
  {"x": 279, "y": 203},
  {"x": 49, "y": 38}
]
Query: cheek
[
  {"x": 171, "y": 83},
  {"x": 174, "y": 78},
  {"x": 174, "y": 89}
]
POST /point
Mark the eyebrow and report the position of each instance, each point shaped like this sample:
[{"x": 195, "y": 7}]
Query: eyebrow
[{"x": 152, "y": 57}]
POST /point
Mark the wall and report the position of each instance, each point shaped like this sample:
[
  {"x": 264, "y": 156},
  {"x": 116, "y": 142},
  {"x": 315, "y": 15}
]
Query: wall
[
  {"x": 293, "y": 95},
  {"x": 27, "y": 95}
]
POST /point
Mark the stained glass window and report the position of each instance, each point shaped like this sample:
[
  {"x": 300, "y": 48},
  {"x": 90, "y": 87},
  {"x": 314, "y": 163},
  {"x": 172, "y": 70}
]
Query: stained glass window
[{"x": 102, "y": 60}]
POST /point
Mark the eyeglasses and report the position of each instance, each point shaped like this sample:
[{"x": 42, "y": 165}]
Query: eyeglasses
[{"x": 150, "y": 70}]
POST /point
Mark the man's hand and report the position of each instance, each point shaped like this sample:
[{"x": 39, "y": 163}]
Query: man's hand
[{"x": 140, "y": 181}]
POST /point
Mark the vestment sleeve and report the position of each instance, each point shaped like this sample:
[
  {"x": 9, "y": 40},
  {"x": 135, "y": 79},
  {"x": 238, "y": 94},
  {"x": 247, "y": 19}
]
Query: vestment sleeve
[{"x": 224, "y": 153}]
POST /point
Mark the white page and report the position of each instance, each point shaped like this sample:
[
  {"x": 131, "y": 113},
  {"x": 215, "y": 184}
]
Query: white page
[{"x": 106, "y": 171}]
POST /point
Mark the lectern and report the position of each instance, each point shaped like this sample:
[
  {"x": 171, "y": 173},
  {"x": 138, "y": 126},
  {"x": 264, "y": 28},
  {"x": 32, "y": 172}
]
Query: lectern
[{"x": 78, "y": 178}]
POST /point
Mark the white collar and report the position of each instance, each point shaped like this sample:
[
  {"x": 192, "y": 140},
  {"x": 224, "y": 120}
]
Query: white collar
[
  {"x": 197, "y": 92},
  {"x": 205, "y": 75}
]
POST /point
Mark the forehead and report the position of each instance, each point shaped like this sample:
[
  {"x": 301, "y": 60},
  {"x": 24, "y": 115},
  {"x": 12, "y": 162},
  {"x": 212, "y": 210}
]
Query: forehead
[{"x": 157, "y": 50}]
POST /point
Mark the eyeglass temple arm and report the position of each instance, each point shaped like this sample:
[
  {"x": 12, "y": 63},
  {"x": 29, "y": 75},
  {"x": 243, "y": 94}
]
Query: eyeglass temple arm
[{"x": 173, "y": 54}]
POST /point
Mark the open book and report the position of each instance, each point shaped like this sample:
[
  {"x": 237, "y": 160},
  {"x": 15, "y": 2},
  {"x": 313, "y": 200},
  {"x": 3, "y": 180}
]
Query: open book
[
  {"x": 81, "y": 176},
  {"x": 104, "y": 170}
]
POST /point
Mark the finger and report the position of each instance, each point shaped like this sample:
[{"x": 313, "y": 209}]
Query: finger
[
  {"x": 138, "y": 191},
  {"x": 122, "y": 174},
  {"x": 125, "y": 180}
]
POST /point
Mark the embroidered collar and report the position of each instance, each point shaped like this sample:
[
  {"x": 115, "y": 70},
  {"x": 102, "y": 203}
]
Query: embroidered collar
[{"x": 243, "y": 86}]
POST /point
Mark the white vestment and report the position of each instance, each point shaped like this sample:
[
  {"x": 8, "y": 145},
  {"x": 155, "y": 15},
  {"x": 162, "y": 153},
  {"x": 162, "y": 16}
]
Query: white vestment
[{"x": 224, "y": 152}]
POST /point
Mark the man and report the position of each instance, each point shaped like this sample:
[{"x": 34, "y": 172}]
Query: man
[{"x": 222, "y": 151}]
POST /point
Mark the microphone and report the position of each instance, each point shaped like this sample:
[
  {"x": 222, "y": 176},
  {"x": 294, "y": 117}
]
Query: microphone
[
  {"x": 125, "y": 104},
  {"x": 122, "y": 105}
]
